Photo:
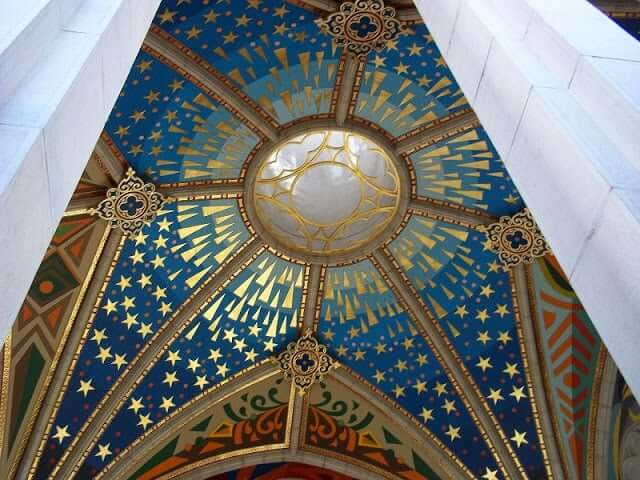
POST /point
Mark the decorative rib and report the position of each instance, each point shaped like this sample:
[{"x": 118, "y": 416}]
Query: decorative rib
[
  {"x": 38, "y": 437},
  {"x": 450, "y": 213},
  {"x": 197, "y": 190},
  {"x": 297, "y": 415},
  {"x": 436, "y": 131},
  {"x": 114, "y": 166},
  {"x": 505, "y": 457},
  {"x": 90, "y": 432},
  {"x": 447, "y": 468},
  {"x": 349, "y": 69},
  {"x": 313, "y": 296},
  {"x": 534, "y": 370},
  {"x": 197, "y": 68},
  {"x": 328, "y": 6}
]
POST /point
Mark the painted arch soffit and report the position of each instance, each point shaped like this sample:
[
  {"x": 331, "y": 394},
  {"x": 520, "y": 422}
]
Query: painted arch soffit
[
  {"x": 254, "y": 415},
  {"x": 341, "y": 420},
  {"x": 122, "y": 333},
  {"x": 32, "y": 351},
  {"x": 251, "y": 415},
  {"x": 573, "y": 358}
]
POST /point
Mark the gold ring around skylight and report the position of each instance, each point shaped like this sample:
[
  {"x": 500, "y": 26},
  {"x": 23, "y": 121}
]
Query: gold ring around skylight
[{"x": 326, "y": 194}]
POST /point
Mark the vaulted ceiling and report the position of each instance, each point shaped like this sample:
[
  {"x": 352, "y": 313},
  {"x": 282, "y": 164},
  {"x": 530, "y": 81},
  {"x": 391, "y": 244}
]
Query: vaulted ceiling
[{"x": 150, "y": 355}]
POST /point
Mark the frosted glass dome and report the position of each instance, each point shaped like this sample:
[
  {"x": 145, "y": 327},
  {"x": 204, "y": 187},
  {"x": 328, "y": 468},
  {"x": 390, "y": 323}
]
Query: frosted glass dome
[{"x": 326, "y": 192}]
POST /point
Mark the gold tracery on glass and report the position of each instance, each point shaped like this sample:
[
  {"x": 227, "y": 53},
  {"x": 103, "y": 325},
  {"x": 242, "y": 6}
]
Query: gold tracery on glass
[{"x": 326, "y": 192}]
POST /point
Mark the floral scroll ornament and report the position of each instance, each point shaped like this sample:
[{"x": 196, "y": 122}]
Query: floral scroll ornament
[
  {"x": 362, "y": 26},
  {"x": 130, "y": 205},
  {"x": 516, "y": 239},
  {"x": 305, "y": 361}
]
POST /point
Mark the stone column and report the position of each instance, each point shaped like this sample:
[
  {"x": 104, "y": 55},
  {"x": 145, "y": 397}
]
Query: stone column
[
  {"x": 557, "y": 86},
  {"x": 62, "y": 65}
]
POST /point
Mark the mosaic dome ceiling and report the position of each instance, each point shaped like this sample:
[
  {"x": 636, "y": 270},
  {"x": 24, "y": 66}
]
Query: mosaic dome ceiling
[{"x": 317, "y": 258}]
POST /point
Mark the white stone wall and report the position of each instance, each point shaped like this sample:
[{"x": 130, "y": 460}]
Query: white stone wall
[
  {"x": 556, "y": 84},
  {"x": 62, "y": 65}
]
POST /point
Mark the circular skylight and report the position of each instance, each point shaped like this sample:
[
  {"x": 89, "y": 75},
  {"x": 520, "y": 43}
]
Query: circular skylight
[{"x": 326, "y": 192}]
